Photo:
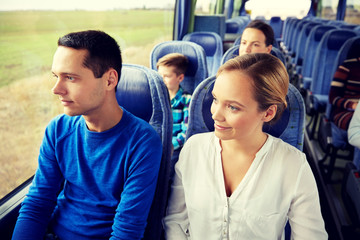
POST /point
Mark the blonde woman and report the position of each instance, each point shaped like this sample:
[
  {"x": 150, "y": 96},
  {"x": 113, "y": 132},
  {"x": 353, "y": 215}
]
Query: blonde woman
[{"x": 239, "y": 182}]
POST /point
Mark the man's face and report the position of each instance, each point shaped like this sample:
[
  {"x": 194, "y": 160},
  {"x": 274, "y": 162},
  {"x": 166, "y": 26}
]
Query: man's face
[{"x": 79, "y": 91}]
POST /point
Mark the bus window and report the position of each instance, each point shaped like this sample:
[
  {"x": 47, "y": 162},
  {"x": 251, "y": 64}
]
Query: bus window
[
  {"x": 352, "y": 14},
  {"x": 205, "y": 6},
  {"x": 329, "y": 9},
  {"x": 28, "y": 39},
  {"x": 283, "y": 8}
]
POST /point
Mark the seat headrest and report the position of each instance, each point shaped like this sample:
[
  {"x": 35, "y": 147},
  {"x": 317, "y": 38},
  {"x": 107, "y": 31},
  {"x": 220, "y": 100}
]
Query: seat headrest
[
  {"x": 338, "y": 37},
  {"x": 207, "y": 41},
  {"x": 183, "y": 47},
  {"x": 309, "y": 27},
  {"x": 133, "y": 92},
  {"x": 232, "y": 27},
  {"x": 354, "y": 50},
  {"x": 280, "y": 125},
  {"x": 321, "y": 30},
  {"x": 275, "y": 19},
  {"x": 207, "y": 116}
]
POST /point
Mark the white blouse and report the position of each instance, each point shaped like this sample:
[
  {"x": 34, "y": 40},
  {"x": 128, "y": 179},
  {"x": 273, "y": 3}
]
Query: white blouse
[{"x": 278, "y": 186}]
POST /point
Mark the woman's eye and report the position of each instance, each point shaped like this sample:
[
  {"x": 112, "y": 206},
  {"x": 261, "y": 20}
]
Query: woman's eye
[{"x": 232, "y": 108}]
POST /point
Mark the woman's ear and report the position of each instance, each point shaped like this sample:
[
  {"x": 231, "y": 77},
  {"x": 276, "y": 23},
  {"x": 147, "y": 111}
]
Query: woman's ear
[
  {"x": 270, "y": 113},
  {"x": 268, "y": 48}
]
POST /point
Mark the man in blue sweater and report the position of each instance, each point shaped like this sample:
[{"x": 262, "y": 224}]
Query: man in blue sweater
[{"x": 98, "y": 164}]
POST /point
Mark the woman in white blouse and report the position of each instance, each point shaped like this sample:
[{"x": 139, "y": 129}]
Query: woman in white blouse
[{"x": 239, "y": 182}]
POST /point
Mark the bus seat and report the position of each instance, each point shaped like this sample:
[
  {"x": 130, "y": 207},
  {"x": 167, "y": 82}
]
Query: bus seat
[
  {"x": 286, "y": 33},
  {"x": 298, "y": 61},
  {"x": 295, "y": 38},
  {"x": 350, "y": 192},
  {"x": 234, "y": 51},
  {"x": 290, "y": 127},
  {"x": 230, "y": 53},
  {"x": 213, "y": 46},
  {"x": 277, "y": 53},
  {"x": 142, "y": 92},
  {"x": 291, "y": 33},
  {"x": 260, "y": 17},
  {"x": 322, "y": 72},
  {"x": 276, "y": 23},
  {"x": 301, "y": 44},
  {"x": 330, "y": 137},
  {"x": 312, "y": 43},
  {"x": 237, "y": 40},
  {"x": 357, "y": 30},
  {"x": 232, "y": 26},
  {"x": 197, "y": 69},
  {"x": 349, "y": 26},
  {"x": 210, "y": 23}
]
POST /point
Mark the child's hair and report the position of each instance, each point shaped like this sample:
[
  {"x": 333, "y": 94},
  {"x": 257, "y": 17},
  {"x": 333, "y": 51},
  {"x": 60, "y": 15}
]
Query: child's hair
[{"x": 179, "y": 61}]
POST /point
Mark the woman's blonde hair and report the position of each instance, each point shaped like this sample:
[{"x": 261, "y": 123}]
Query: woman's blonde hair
[{"x": 270, "y": 79}]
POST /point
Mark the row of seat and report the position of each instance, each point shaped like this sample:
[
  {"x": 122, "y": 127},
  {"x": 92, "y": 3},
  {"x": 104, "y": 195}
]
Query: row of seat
[{"x": 314, "y": 49}]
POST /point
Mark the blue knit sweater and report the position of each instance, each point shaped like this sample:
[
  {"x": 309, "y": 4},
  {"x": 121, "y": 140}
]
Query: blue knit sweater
[{"x": 109, "y": 181}]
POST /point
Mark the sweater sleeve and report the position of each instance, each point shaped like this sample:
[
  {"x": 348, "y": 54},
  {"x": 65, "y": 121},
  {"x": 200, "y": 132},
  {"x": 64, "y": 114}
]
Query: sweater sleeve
[
  {"x": 139, "y": 188},
  {"x": 305, "y": 215},
  {"x": 354, "y": 128},
  {"x": 40, "y": 202},
  {"x": 336, "y": 94}
]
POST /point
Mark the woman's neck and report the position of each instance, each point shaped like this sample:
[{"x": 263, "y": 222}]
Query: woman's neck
[{"x": 244, "y": 146}]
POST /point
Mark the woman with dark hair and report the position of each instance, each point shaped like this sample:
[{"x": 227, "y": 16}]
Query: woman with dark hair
[{"x": 258, "y": 37}]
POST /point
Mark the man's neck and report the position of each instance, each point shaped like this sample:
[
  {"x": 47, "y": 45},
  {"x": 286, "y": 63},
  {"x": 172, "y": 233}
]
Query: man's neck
[{"x": 105, "y": 120}]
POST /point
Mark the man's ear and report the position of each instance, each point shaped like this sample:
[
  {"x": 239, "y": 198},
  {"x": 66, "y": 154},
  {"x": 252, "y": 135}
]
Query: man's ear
[
  {"x": 112, "y": 79},
  {"x": 270, "y": 113}
]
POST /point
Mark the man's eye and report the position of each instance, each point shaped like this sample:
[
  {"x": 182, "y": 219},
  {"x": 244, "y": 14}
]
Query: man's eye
[{"x": 70, "y": 78}]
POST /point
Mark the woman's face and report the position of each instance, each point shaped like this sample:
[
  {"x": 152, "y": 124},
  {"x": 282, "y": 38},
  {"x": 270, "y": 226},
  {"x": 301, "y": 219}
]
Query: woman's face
[
  {"x": 234, "y": 109},
  {"x": 253, "y": 41}
]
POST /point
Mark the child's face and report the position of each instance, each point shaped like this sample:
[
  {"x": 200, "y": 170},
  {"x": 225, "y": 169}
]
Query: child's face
[{"x": 170, "y": 78}]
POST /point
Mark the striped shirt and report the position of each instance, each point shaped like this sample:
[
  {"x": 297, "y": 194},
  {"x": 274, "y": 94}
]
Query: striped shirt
[
  {"x": 180, "y": 111},
  {"x": 344, "y": 91}
]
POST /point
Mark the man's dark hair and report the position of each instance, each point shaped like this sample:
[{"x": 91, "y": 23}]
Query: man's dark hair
[
  {"x": 265, "y": 28},
  {"x": 103, "y": 51}
]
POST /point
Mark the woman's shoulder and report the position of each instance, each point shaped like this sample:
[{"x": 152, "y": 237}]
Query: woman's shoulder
[
  {"x": 286, "y": 151},
  {"x": 200, "y": 139}
]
